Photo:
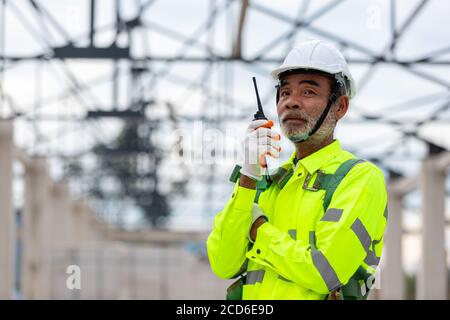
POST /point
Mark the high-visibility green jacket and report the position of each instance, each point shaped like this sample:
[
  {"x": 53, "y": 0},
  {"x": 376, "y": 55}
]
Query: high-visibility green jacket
[{"x": 303, "y": 252}]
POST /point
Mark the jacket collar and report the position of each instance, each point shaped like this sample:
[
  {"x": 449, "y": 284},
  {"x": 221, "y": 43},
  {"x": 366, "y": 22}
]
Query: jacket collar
[{"x": 318, "y": 159}]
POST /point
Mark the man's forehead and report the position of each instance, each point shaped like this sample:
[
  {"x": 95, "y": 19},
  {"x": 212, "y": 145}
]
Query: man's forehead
[{"x": 304, "y": 75}]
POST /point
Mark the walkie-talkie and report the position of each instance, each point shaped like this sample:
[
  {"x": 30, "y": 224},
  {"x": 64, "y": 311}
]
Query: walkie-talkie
[{"x": 259, "y": 115}]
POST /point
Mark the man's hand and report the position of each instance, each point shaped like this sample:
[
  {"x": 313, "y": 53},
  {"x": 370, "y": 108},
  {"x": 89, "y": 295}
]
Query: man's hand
[
  {"x": 258, "y": 143},
  {"x": 259, "y": 222}
]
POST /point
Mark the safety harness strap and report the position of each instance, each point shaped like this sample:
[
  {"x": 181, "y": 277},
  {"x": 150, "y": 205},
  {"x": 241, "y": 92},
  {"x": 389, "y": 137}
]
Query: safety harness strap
[
  {"x": 280, "y": 177},
  {"x": 330, "y": 183}
]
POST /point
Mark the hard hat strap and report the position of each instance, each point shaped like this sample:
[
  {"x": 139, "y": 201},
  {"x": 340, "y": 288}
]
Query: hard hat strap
[{"x": 331, "y": 101}]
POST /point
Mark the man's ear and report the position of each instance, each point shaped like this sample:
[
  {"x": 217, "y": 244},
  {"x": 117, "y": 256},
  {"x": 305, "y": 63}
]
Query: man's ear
[{"x": 341, "y": 106}]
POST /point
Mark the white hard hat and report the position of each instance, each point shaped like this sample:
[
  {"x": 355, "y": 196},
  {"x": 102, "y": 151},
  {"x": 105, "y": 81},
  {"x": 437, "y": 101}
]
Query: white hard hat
[{"x": 317, "y": 55}]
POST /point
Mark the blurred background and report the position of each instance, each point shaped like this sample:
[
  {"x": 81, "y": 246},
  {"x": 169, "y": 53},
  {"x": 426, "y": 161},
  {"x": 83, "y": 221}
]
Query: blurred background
[{"x": 120, "y": 122}]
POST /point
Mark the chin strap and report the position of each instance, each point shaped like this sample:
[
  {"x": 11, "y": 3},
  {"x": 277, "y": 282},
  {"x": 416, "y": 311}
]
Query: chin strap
[{"x": 331, "y": 101}]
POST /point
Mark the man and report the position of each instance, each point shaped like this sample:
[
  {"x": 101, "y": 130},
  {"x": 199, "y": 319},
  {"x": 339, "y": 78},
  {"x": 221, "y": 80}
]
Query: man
[{"x": 314, "y": 229}]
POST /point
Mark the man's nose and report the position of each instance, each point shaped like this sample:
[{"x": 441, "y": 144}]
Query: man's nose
[
  {"x": 292, "y": 105},
  {"x": 292, "y": 101}
]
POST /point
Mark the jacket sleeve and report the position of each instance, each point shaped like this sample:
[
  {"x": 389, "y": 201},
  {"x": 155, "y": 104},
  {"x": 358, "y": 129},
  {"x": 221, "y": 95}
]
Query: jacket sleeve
[
  {"x": 227, "y": 243},
  {"x": 355, "y": 217}
]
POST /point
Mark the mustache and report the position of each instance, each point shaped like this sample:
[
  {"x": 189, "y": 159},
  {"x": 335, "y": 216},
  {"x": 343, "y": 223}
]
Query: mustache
[{"x": 295, "y": 115}]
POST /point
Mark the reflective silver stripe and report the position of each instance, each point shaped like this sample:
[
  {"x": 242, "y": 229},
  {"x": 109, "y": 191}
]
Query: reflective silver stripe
[
  {"x": 261, "y": 275},
  {"x": 293, "y": 234},
  {"x": 312, "y": 239},
  {"x": 255, "y": 276},
  {"x": 252, "y": 277},
  {"x": 364, "y": 237},
  {"x": 362, "y": 234},
  {"x": 386, "y": 213},
  {"x": 326, "y": 271},
  {"x": 371, "y": 259},
  {"x": 332, "y": 215}
]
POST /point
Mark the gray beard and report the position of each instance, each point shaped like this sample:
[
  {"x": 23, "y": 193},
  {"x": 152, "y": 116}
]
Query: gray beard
[{"x": 317, "y": 138}]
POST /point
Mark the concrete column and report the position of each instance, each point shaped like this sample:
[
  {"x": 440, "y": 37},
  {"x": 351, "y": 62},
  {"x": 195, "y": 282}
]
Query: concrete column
[
  {"x": 78, "y": 222},
  {"x": 61, "y": 215},
  {"x": 392, "y": 277},
  {"x": 88, "y": 228},
  {"x": 94, "y": 227},
  {"x": 86, "y": 247},
  {"x": 432, "y": 274},
  {"x": 37, "y": 232},
  {"x": 7, "y": 225}
]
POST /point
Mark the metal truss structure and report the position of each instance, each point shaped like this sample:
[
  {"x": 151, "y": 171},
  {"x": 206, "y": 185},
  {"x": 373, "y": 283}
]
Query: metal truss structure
[{"x": 199, "y": 76}]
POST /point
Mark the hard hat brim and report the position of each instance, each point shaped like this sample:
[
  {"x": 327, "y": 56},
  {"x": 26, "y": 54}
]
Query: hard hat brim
[{"x": 278, "y": 71}]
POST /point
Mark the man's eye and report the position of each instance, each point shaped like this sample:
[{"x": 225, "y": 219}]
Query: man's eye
[
  {"x": 284, "y": 93},
  {"x": 308, "y": 92}
]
